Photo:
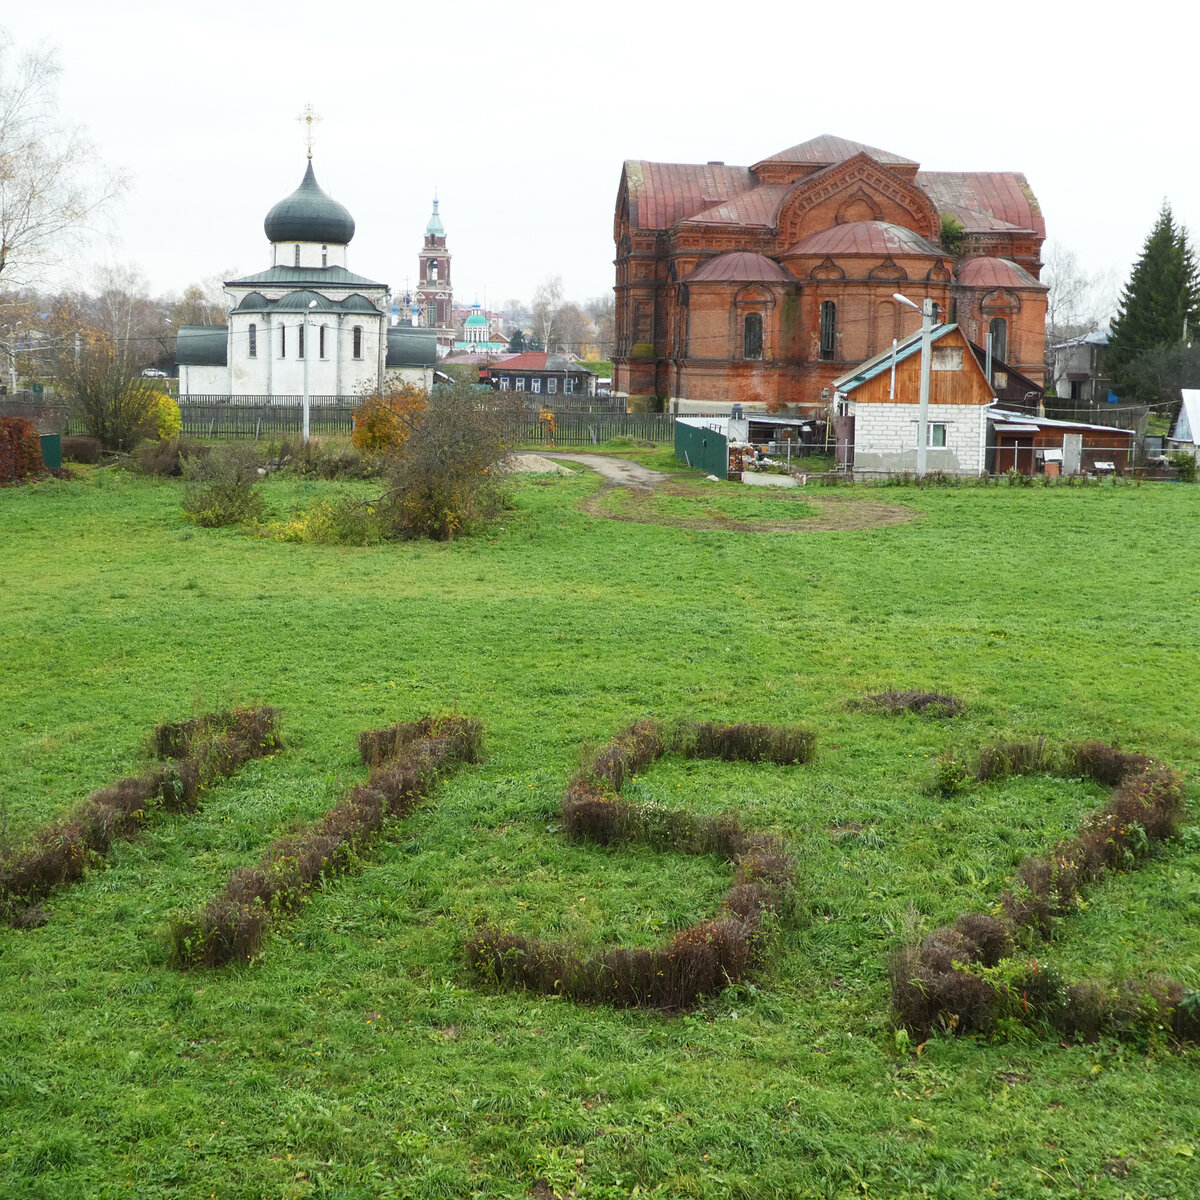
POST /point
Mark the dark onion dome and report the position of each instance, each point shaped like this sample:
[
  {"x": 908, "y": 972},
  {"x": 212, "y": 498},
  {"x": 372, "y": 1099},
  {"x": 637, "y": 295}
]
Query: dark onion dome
[{"x": 309, "y": 215}]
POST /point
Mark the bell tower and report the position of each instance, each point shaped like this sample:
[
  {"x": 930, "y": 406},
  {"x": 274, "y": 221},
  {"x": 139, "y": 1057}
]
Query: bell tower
[{"x": 433, "y": 297}]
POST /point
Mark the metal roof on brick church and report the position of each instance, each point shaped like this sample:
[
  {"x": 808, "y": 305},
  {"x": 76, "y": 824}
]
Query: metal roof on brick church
[{"x": 662, "y": 194}]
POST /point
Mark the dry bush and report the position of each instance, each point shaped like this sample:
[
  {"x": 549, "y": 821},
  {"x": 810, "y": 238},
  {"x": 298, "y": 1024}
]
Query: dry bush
[
  {"x": 81, "y": 449},
  {"x": 58, "y": 852},
  {"x": 1107, "y": 764},
  {"x": 926, "y": 704},
  {"x": 294, "y": 866},
  {"x": 168, "y": 457},
  {"x": 744, "y": 742},
  {"x": 1015, "y": 758},
  {"x": 700, "y": 960}
]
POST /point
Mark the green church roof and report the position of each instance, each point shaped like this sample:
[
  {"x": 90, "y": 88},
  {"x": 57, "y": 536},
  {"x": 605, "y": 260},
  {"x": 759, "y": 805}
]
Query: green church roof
[
  {"x": 309, "y": 215},
  {"x": 435, "y": 228},
  {"x": 318, "y": 277}
]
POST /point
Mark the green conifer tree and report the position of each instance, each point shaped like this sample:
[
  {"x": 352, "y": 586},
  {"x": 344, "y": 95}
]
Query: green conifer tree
[{"x": 1158, "y": 306}]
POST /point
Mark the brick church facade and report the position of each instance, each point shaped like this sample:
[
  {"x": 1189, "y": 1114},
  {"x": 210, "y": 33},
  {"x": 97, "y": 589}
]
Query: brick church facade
[{"x": 765, "y": 283}]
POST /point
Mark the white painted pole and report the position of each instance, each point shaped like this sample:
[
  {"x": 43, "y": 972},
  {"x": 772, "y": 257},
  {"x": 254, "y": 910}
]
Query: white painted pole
[
  {"x": 926, "y": 364},
  {"x": 307, "y": 349}
]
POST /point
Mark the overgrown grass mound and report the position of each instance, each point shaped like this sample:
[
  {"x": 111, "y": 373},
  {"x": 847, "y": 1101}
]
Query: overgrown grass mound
[
  {"x": 964, "y": 978},
  {"x": 406, "y": 759},
  {"x": 204, "y": 749},
  {"x": 702, "y": 959},
  {"x": 926, "y": 704}
]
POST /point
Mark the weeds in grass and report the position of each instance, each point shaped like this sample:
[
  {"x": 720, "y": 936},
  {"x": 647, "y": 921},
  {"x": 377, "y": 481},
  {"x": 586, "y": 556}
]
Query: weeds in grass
[
  {"x": 926, "y": 704},
  {"x": 961, "y": 977},
  {"x": 702, "y": 959},
  {"x": 206, "y": 749},
  {"x": 406, "y": 760}
]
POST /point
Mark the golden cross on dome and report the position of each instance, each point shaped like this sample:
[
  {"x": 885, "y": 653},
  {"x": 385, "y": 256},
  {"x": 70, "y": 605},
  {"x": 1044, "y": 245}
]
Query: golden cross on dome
[{"x": 308, "y": 118}]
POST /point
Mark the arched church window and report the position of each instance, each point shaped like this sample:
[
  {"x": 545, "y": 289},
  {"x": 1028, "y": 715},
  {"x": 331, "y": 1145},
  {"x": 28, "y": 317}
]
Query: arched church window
[
  {"x": 296, "y": 261},
  {"x": 300, "y": 332},
  {"x": 321, "y": 340},
  {"x": 998, "y": 333},
  {"x": 433, "y": 270},
  {"x": 283, "y": 341},
  {"x": 358, "y": 341},
  {"x": 752, "y": 336},
  {"x": 828, "y": 329},
  {"x": 324, "y": 256},
  {"x": 253, "y": 349}
]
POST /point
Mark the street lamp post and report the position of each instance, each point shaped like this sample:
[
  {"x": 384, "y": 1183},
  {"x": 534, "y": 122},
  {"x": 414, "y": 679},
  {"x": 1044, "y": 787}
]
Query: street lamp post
[
  {"x": 304, "y": 336},
  {"x": 926, "y": 310}
]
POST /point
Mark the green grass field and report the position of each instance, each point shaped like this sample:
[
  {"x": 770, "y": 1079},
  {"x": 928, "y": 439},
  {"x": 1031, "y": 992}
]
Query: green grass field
[{"x": 360, "y": 1057}]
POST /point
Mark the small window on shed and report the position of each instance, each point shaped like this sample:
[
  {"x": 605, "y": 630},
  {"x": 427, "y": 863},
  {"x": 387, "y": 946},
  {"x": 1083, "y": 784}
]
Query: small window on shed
[
  {"x": 752, "y": 336},
  {"x": 828, "y": 329}
]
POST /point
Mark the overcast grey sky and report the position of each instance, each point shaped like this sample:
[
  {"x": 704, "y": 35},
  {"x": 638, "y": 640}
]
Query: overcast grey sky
[{"x": 521, "y": 115}]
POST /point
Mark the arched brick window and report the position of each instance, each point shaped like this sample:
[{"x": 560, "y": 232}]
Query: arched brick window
[
  {"x": 752, "y": 336},
  {"x": 828, "y": 330},
  {"x": 998, "y": 332}
]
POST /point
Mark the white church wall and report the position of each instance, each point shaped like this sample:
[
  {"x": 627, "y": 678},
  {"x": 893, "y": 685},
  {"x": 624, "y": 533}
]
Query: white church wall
[
  {"x": 203, "y": 381},
  {"x": 312, "y": 254}
]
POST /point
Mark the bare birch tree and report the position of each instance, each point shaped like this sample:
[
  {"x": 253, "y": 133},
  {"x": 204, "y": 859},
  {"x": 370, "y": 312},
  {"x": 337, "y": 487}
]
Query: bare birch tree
[{"x": 51, "y": 182}]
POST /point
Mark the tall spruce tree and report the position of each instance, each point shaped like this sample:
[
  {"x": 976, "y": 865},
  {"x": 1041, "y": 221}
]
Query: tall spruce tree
[{"x": 1158, "y": 305}]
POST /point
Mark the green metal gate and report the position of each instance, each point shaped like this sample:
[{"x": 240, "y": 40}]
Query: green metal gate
[{"x": 705, "y": 449}]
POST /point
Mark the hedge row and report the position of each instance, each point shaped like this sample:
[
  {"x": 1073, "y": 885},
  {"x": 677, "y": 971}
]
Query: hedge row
[
  {"x": 964, "y": 977},
  {"x": 702, "y": 959},
  {"x": 205, "y": 749},
  {"x": 20, "y": 449},
  {"x": 406, "y": 759}
]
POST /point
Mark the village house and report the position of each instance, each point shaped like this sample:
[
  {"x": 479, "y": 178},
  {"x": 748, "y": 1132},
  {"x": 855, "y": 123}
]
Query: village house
[
  {"x": 761, "y": 285},
  {"x": 536, "y": 373}
]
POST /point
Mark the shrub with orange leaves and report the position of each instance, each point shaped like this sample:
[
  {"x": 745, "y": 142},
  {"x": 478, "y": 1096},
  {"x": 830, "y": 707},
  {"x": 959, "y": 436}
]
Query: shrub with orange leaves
[{"x": 384, "y": 419}]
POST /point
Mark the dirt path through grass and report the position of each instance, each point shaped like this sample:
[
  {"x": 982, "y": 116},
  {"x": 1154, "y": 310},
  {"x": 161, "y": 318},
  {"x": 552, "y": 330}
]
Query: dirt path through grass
[{"x": 642, "y": 484}]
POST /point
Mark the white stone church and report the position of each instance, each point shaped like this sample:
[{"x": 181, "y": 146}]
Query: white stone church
[{"x": 306, "y": 320}]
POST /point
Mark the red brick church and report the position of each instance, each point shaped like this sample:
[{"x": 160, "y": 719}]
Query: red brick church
[{"x": 765, "y": 283}]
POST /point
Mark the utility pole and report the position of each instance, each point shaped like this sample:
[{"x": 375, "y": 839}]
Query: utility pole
[{"x": 926, "y": 311}]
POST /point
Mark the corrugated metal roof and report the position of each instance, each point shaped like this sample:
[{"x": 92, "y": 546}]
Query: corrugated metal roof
[
  {"x": 985, "y": 201},
  {"x": 1004, "y": 418},
  {"x": 759, "y": 206},
  {"x": 828, "y": 148},
  {"x": 662, "y": 193},
  {"x": 319, "y": 277},
  {"x": 537, "y": 360},
  {"x": 410, "y": 346},
  {"x": 995, "y": 272},
  {"x": 202, "y": 345},
  {"x": 738, "y": 266},
  {"x": 865, "y": 237},
  {"x": 882, "y": 361}
]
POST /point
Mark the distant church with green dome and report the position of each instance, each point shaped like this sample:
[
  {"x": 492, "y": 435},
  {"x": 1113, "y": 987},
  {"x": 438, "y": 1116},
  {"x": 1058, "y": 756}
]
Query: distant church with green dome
[{"x": 307, "y": 323}]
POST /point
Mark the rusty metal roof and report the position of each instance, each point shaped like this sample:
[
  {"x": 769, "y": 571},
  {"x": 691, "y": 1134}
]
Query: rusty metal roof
[
  {"x": 827, "y": 149},
  {"x": 865, "y": 237},
  {"x": 758, "y": 206},
  {"x": 662, "y": 193},
  {"x": 995, "y": 272},
  {"x": 740, "y": 266},
  {"x": 985, "y": 201}
]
